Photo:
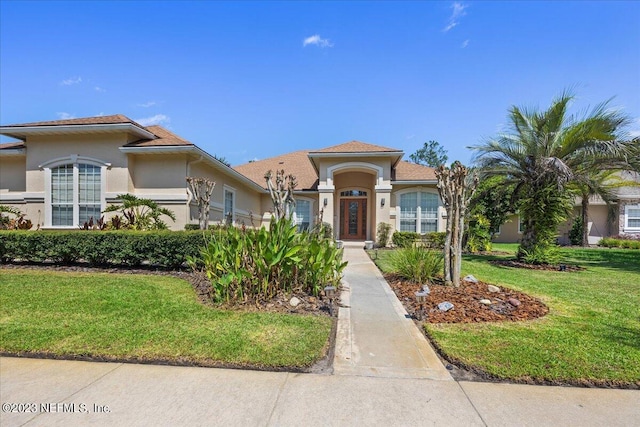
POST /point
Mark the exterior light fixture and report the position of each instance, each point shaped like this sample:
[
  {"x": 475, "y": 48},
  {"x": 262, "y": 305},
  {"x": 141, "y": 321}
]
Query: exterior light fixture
[
  {"x": 382, "y": 202},
  {"x": 325, "y": 202},
  {"x": 421, "y": 298},
  {"x": 330, "y": 292}
]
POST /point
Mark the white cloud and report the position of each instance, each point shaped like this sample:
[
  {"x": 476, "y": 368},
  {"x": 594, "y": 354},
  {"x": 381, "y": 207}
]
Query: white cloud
[
  {"x": 458, "y": 12},
  {"x": 65, "y": 116},
  {"x": 317, "y": 40},
  {"x": 147, "y": 104},
  {"x": 465, "y": 44},
  {"x": 71, "y": 81},
  {"x": 158, "y": 119},
  {"x": 99, "y": 89}
]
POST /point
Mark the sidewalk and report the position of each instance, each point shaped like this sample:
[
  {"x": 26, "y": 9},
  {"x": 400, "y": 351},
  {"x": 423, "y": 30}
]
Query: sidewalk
[{"x": 385, "y": 374}]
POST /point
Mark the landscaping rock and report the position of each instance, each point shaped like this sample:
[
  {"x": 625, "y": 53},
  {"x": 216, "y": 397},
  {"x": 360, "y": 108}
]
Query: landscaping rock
[
  {"x": 493, "y": 288},
  {"x": 470, "y": 278},
  {"x": 485, "y": 301},
  {"x": 445, "y": 306},
  {"x": 294, "y": 302},
  {"x": 514, "y": 302}
]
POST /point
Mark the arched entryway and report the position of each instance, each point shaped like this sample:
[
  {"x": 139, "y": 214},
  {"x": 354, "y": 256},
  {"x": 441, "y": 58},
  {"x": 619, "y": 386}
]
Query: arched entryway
[{"x": 354, "y": 192}]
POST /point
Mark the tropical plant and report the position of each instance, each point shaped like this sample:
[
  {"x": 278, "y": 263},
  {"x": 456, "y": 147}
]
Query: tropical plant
[
  {"x": 479, "y": 234},
  {"x": 540, "y": 155},
  {"x": 141, "y": 214},
  {"x": 417, "y": 263},
  {"x": 18, "y": 222},
  {"x": 431, "y": 154},
  {"x": 492, "y": 200}
]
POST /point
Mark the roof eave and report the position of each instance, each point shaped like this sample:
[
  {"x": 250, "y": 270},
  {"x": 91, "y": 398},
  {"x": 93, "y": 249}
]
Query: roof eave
[
  {"x": 414, "y": 181},
  {"x": 22, "y": 132},
  {"x": 13, "y": 152}
]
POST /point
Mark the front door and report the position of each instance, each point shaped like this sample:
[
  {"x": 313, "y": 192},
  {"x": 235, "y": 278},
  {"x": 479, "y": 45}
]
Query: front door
[{"x": 353, "y": 219}]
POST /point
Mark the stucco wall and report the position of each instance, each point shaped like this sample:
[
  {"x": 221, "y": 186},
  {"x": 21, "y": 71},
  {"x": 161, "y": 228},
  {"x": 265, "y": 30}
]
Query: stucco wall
[{"x": 12, "y": 174}]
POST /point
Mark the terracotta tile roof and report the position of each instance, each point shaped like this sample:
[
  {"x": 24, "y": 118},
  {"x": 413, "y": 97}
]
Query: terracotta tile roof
[
  {"x": 356, "y": 147},
  {"x": 407, "y": 171},
  {"x": 99, "y": 120},
  {"x": 165, "y": 138},
  {"x": 11, "y": 145},
  {"x": 296, "y": 163}
]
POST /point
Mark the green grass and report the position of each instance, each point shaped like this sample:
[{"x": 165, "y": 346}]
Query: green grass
[
  {"x": 591, "y": 334},
  {"x": 145, "y": 317}
]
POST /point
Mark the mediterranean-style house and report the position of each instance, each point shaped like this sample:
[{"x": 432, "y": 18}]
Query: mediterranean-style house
[{"x": 60, "y": 173}]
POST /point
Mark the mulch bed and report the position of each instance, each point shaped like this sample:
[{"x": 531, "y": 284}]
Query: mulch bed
[
  {"x": 546, "y": 267},
  {"x": 467, "y": 307}
]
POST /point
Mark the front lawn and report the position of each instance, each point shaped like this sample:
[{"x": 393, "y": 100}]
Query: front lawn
[
  {"x": 590, "y": 336},
  {"x": 146, "y": 318}
]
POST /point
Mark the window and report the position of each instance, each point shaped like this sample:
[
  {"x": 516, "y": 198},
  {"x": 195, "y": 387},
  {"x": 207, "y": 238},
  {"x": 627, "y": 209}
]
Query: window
[
  {"x": 520, "y": 224},
  {"x": 229, "y": 214},
  {"x": 303, "y": 214},
  {"x": 76, "y": 194},
  {"x": 419, "y": 212},
  {"x": 353, "y": 193},
  {"x": 632, "y": 217}
]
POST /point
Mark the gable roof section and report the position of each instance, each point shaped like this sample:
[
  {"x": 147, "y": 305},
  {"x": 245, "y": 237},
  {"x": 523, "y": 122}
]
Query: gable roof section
[
  {"x": 164, "y": 138},
  {"x": 355, "y": 147},
  {"x": 296, "y": 164},
  {"x": 407, "y": 171},
  {"x": 99, "y": 124}
]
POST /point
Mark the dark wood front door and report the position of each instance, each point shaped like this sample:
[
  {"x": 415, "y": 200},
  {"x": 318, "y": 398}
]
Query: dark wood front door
[{"x": 353, "y": 219}]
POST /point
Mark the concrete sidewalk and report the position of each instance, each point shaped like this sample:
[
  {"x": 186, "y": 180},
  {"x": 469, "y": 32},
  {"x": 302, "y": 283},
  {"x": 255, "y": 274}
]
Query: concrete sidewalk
[{"x": 385, "y": 374}]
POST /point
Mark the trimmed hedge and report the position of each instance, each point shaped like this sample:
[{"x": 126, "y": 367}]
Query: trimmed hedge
[
  {"x": 105, "y": 248},
  {"x": 406, "y": 239},
  {"x": 612, "y": 242}
]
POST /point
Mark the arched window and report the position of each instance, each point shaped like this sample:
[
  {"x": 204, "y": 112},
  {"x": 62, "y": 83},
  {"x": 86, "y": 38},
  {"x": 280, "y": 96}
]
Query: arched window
[
  {"x": 75, "y": 191},
  {"x": 419, "y": 212}
]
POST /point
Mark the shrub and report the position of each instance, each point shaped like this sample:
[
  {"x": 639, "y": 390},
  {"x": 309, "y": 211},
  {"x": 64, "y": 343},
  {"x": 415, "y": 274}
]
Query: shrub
[
  {"x": 575, "y": 234},
  {"x": 109, "y": 248},
  {"x": 542, "y": 254},
  {"x": 435, "y": 239},
  {"x": 417, "y": 264},
  {"x": 479, "y": 234},
  {"x": 625, "y": 242},
  {"x": 404, "y": 239},
  {"x": 382, "y": 234},
  {"x": 262, "y": 263}
]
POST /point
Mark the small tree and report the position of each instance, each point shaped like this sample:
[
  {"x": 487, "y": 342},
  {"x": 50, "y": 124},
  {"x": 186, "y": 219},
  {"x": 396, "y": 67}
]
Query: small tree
[
  {"x": 456, "y": 186},
  {"x": 282, "y": 193},
  {"x": 201, "y": 189},
  {"x": 431, "y": 154}
]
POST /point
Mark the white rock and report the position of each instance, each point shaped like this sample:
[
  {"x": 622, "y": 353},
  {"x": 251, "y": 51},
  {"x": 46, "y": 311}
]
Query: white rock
[
  {"x": 294, "y": 302},
  {"x": 470, "y": 278},
  {"x": 492, "y": 288},
  {"x": 485, "y": 301}
]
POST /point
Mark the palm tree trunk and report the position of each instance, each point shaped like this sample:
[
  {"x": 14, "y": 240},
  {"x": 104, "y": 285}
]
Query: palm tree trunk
[{"x": 585, "y": 220}]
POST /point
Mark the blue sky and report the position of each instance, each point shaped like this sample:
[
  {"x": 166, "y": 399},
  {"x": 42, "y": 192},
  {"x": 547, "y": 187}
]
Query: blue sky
[{"x": 249, "y": 80}]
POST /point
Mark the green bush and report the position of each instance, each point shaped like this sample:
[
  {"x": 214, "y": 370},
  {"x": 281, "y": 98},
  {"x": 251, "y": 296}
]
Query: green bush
[
  {"x": 435, "y": 239},
  {"x": 575, "y": 234},
  {"x": 262, "y": 263},
  {"x": 479, "y": 234},
  {"x": 105, "y": 248},
  {"x": 382, "y": 234},
  {"x": 405, "y": 239},
  {"x": 417, "y": 264},
  {"x": 619, "y": 242},
  {"x": 542, "y": 254}
]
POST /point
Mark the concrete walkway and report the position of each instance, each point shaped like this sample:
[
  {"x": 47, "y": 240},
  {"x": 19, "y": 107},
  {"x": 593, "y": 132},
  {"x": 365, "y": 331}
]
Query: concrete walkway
[
  {"x": 385, "y": 374},
  {"x": 375, "y": 336}
]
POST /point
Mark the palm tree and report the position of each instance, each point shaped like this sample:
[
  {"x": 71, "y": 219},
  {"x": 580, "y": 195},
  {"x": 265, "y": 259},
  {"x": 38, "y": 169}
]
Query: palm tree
[
  {"x": 541, "y": 153},
  {"x": 141, "y": 214}
]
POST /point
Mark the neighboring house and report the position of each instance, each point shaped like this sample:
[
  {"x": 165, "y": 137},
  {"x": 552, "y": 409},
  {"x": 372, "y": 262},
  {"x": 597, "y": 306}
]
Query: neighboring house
[
  {"x": 63, "y": 172},
  {"x": 621, "y": 218}
]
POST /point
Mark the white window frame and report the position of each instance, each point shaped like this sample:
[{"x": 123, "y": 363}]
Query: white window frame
[
  {"x": 74, "y": 160},
  {"x": 310, "y": 213},
  {"x": 418, "y": 217},
  {"x": 232, "y": 191},
  {"x": 627, "y": 218}
]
